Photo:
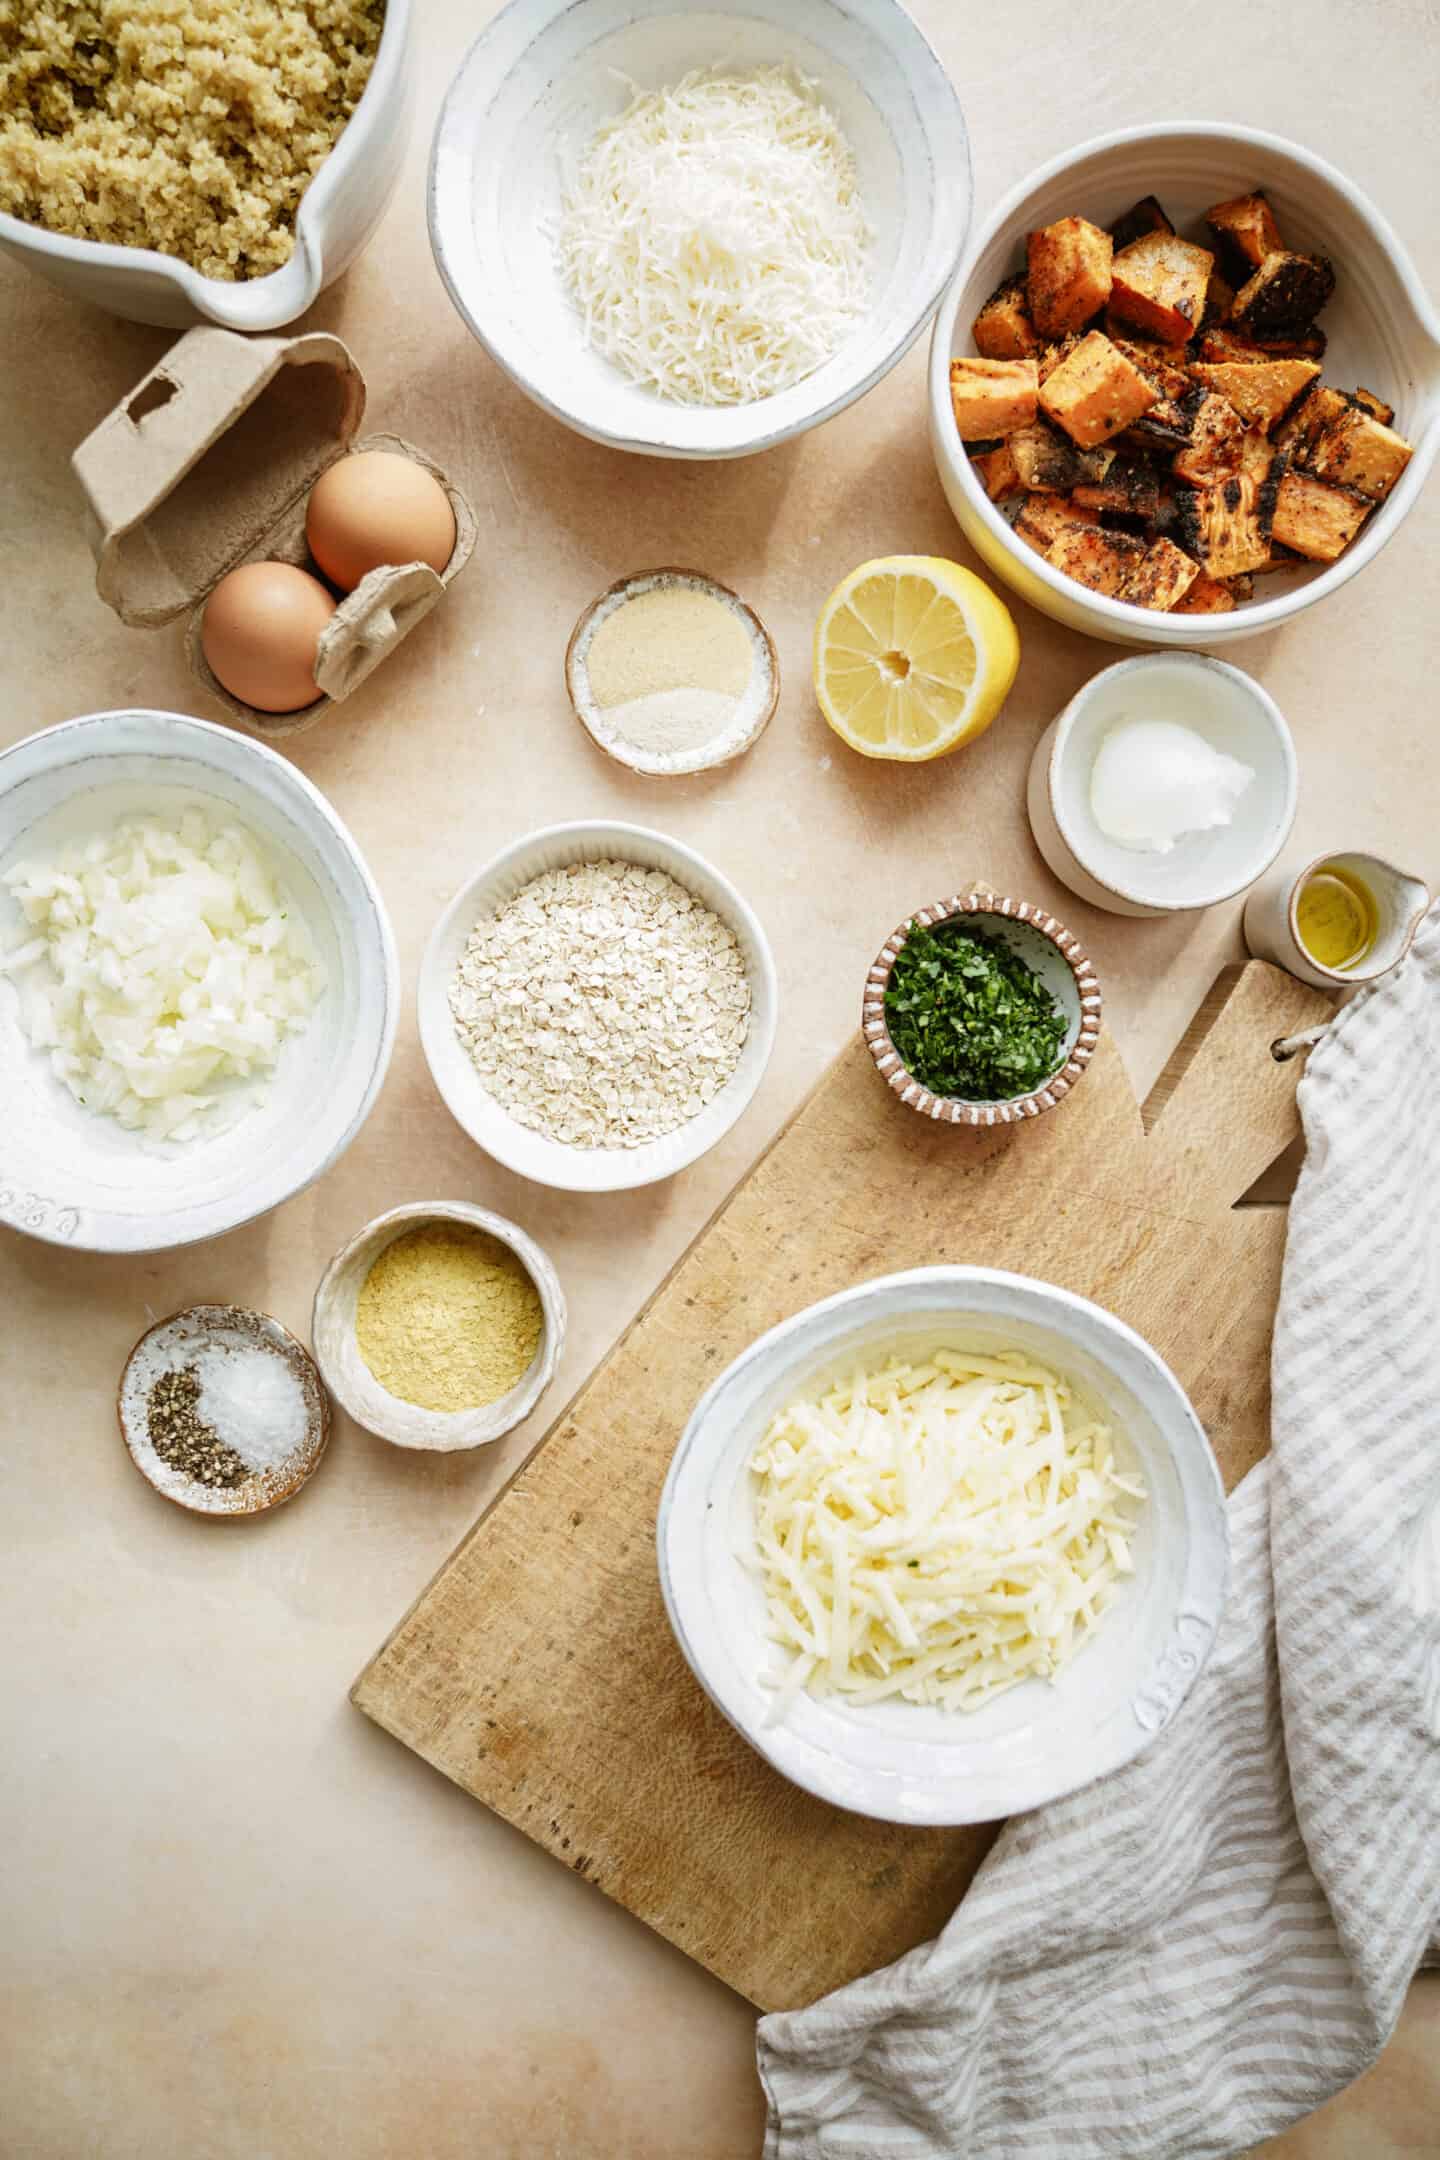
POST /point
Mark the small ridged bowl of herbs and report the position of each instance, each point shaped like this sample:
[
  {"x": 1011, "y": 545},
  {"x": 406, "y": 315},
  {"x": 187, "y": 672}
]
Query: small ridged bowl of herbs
[{"x": 981, "y": 1010}]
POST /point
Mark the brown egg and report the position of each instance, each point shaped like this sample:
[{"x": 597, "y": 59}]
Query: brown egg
[
  {"x": 260, "y": 629},
  {"x": 377, "y": 507}
]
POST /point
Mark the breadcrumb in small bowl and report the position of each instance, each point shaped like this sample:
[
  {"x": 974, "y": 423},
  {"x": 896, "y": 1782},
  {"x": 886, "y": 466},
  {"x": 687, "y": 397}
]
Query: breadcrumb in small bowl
[{"x": 255, "y": 166}]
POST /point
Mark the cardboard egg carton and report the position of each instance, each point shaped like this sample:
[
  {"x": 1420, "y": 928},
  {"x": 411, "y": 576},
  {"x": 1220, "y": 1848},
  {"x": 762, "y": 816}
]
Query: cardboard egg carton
[{"x": 209, "y": 462}]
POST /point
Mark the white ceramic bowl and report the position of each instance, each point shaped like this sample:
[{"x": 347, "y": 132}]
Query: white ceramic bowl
[
  {"x": 1235, "y": 715},
  {"x": 546, "y": 74},
  {"x": 1383, "y": 334},
  {"x": 489, "y": 1124},
  {"x": 905, "y": 1762},
  {"x": 77, "y": 1179},
  {"x": 349, "y": 1378},
  {"x": 338, "y": 212}
]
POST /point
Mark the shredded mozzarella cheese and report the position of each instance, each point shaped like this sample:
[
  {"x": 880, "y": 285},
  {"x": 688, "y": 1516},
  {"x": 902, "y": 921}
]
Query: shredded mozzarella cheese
[
  {"x": 937, "y": 1532},
  {"x": 713, "y": 240},
  {"x": 159, "y": 960}
]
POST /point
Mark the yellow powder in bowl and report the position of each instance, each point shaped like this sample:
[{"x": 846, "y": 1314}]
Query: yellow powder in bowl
[{"x": 448, "y": 1318}]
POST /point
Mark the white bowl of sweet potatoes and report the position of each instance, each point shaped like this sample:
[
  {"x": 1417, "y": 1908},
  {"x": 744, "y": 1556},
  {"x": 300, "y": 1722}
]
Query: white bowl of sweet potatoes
[{"x": 1174, "y": 431}]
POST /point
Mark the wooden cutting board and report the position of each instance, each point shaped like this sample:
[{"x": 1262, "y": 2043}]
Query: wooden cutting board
[{"x": 538, "y": 1670}]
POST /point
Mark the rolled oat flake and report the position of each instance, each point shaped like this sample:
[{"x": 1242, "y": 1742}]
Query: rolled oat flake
[{"x": 604, "y": 1005}]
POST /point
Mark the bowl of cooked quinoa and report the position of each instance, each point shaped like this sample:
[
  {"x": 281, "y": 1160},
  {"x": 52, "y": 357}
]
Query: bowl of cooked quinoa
[{"x": 181, "y": 161}]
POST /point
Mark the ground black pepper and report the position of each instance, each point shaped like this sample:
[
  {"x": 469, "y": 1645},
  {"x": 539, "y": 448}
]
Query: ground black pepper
[{"x": 183, "y": 1440}]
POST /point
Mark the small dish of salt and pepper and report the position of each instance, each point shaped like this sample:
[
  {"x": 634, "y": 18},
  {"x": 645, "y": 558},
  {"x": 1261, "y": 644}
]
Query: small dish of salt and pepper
[{"x": 223, "y": 1411}]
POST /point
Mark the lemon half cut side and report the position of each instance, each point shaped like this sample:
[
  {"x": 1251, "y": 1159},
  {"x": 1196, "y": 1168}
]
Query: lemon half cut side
[{"x": 914, "y": 656}]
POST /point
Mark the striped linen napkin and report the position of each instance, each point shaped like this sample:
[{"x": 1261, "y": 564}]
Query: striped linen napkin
[{"x": 1197, "y": 1951}]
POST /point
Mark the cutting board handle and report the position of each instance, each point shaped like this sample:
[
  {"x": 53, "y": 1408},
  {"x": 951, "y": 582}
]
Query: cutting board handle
[{"x": 1224, "y": 1094}]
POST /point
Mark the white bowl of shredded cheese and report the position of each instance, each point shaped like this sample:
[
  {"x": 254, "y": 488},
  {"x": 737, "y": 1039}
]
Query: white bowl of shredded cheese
[
  {"x": 198, "y": 982},
  {"x": 604, "y": 189},
  {"x": 826, "y": 1552}
]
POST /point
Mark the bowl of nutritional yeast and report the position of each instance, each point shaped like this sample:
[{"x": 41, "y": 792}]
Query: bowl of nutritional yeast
[{"x": 597, "y": 1005}]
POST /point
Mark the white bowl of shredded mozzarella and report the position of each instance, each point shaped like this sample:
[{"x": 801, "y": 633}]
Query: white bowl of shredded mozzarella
[
  {"x": 945, "y": 1546},
  {"x": 696, "y": 233},
  {"x": 197, "y": 982}
]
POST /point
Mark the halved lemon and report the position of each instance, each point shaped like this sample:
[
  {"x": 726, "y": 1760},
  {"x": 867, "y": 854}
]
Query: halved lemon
[{"x": 913, "y": 657}]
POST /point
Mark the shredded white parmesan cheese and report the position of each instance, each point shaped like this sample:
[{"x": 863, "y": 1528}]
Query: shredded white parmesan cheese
[
  {"x": 713, "y": 239},
  {"x": 938, "y": 1531}
]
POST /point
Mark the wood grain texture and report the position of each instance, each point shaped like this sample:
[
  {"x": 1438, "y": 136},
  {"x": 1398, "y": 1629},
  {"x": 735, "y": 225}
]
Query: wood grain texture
[{"x": 538, "y": 1670}]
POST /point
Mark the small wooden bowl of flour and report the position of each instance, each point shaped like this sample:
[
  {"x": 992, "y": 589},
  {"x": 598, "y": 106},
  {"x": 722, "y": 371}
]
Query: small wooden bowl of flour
[{"x": 670, "y": 672}]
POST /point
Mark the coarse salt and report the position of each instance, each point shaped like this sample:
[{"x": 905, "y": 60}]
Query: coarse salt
[{"x": 253, "y": 1401}]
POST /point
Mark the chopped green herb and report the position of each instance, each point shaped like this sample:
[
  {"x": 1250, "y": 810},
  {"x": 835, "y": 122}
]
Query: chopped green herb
[{"x": 969, "y": 1017}]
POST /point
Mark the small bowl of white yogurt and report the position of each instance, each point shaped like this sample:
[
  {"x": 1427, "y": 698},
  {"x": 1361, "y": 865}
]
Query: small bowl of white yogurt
[{"x": 1169, "y": 782}]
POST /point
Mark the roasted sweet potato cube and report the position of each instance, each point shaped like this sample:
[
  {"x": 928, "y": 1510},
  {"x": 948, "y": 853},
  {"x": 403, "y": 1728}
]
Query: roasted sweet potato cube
[
  {"x": 1214, "y": 450},
  {"x": 1261, "y": 391},
  {"x": 1167, "y": 366},
  {"x": 1205, "y": 595},
  {"x": 1045, "y": 460},
  {"x": 1145, "y": 216},
  {"x": 1102, "y": 560},
  {"x": 1131, "y": 488},
  {"x": 1043, "y": 517},
  {"x": 1225, "y": 342},
  {"x": 1317, "y": 520},
  {"x": 1226, "y": 528},
  {"x": 1319, "y": 408},
  {"x": 1162, "y": 576},
  {"x": 1055, "y": 355},
  {"x": 1219, "y": 299},
  {"x": 1285, "y": 294},
  {"x": 1159, "y": 285},
  {"x": 1384, "y": 413},
  {"x": 1170, "y": 425},
  {"x": 1067, "y": 275},
  {"x": 1258, "y": 455},
  {"x": 1049, "y": 462},
  {"x": 1003, "y": 329},
  {"x": 992, "y": 397},
  {"x": 1356, "y": 450},
  {"x": 997, "y": 472},
  {"x": 1096, "y": 392},
  {"x": 1248, "y": 224}
]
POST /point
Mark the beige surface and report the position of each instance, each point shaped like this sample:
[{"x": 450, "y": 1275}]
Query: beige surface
[
  {"x": 513, "y": 1677},
  {"x": 239, "y": 1921}
]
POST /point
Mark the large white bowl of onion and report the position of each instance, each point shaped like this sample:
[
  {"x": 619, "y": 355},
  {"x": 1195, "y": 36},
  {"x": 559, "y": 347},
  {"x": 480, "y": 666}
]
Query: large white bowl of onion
[{"x": 218, "y": 906}]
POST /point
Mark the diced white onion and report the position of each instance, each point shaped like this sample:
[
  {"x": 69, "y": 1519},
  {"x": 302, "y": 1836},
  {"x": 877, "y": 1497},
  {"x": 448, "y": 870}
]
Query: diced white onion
[{"x": 172, "y": 963}]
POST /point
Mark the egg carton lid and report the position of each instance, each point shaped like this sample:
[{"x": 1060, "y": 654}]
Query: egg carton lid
[{"x": 194, "y": 465}]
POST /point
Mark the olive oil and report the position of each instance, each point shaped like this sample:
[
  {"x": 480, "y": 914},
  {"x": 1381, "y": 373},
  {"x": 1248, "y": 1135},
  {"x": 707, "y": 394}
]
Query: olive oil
[{"x": 1336, "y": 917}]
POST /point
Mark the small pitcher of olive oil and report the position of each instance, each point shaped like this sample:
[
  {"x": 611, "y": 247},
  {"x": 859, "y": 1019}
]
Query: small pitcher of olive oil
[{"x": 1341, "y": 920}]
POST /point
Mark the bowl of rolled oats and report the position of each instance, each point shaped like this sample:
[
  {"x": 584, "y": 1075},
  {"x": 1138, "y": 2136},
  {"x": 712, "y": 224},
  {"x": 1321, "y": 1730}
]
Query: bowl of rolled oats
[{"x": 597, "y": 1006}]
